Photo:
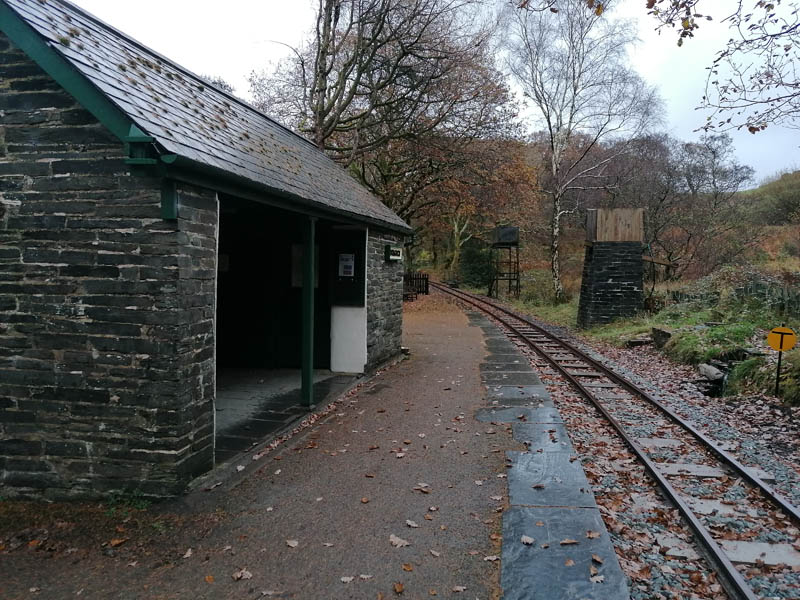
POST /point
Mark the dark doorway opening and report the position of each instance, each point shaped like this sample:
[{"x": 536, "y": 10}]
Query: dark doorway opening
[{"x": 259, "y": 318}]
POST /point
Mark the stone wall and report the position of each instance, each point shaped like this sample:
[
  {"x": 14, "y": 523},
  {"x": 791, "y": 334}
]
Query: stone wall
[
  {"x": 612, "y": 282},
  {"x": 384, "y": 299},
  {"x": 106, "y": 310}
]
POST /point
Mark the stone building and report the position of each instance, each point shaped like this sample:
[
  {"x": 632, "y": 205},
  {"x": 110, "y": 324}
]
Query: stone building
[{"x": 155, "y": 230}]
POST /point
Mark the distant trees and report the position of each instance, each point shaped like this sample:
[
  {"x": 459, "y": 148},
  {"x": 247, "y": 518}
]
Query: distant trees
[
  {"x": 695, "y": 216},
  {"x": 398, "y": 92},
  {"x": 571, "y": 65},
  {"x": 381, "y": 70}
]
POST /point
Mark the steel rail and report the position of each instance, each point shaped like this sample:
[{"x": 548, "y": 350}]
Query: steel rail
[
  {"x": 730, "y": 577},
  {"x": 741, "y": 470}
]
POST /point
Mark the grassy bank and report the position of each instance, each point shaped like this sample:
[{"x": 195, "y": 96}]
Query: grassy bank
[{"x": 716, "y": 325}]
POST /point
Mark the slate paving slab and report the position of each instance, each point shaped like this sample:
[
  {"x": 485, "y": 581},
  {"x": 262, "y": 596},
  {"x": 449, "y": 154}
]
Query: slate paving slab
[
  {"x": 549, "y": 494},
  {"x": 550, "y": 438},
  {"x": 548, "y": 479},
  {"x": 504, "y": 357},
  {"x": 516, "y": 392},
  {"x": 506, "y": 367},
  {"x": 531, "y": 572},
  {"x": 511, "y": 378}
]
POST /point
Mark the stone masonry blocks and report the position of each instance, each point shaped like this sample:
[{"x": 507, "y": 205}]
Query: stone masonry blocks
[
  {"x": 384, "y": 299},
  {"x": 612, "y": 284},
  {"x": 106, "y": 310}
]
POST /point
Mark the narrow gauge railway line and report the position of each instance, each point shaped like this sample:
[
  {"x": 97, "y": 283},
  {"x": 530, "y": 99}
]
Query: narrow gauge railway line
[{"x": 626, "y": 407}]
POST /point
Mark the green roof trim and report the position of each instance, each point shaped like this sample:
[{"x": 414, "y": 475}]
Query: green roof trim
[
  {"x": 136, "y": 135},
  {"x": 55, "y": 65}
]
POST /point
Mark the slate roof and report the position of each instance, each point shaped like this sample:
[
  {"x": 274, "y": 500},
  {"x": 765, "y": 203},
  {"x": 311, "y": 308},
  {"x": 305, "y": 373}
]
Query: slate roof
[{"x": 191, "y": 118}]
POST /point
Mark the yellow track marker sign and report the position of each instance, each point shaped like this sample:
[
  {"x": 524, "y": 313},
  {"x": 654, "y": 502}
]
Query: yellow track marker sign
[{"x": 781, "y": 339}]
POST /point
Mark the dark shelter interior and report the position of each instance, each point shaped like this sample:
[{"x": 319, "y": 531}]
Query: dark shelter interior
[{"x": 259, "y": 318}]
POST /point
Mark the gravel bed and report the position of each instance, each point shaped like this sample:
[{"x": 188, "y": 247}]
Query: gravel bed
[
  {"x": 761, "y": 432},
  {"x": 656, "y": 550}
]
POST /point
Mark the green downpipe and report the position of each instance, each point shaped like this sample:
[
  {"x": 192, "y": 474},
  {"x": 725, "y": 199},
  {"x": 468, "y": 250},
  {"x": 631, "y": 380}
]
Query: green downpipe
[{"x": 307, "y": 376}]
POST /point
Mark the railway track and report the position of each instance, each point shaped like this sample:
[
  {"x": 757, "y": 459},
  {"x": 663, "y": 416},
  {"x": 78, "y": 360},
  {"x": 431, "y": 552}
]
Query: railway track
[{"x": 626, "y": 407}]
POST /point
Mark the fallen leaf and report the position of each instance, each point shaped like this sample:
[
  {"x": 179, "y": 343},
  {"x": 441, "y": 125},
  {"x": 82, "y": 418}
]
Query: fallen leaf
[
  {"x": 364, "y": 500},
  {"x": 398, "y": 588},
  {"x": 327, "y": 544},
  {"x": 538, "y": 486},
  {"x": 527, "y": 540},
  {"x": 592, "y": 534},
  {"x": 491, "y": 558},
  {"x": 242, "y": 574},
  {"x": 428, "y": 517},
  {"x": 597, "y": 559},
  {"x": 540, "y": 523},
  {"x": 400, "y": 454},
  {"x": 292, "y": 543},
  {"x": 411, "y": 524},
  {"x": 117, "y": 542},
  {"x": 347, "y": 579},
  {"x": 495, "y": 497},
  {"x": 459, "y": 588},
  {"x": 188, "y": 553},
  {"x": 435, "y": 553},
  {"x": 408, "y": 567},
  {"x": 278, "y": 472},
  {"x": 593, "y": 570},
  {"x": 398, "y": 542},
  {"x": 597, "y": 578},
  {"x": 209, "y": 579},
  {"x": 478, "y": 482},
  {"x": 568, "y": 542},
  {"x": 569, "y": 563},
  {"x": 364, "y": 577},
  {"x": 240, "y": 468}
]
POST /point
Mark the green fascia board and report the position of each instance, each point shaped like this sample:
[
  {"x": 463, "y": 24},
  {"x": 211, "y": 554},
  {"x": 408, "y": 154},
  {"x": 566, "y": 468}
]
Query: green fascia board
[{"x": 67, "y": 76}]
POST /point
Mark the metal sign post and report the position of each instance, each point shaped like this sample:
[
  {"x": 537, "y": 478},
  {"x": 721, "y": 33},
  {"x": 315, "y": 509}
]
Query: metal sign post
[{"x": 781, "y": 339}]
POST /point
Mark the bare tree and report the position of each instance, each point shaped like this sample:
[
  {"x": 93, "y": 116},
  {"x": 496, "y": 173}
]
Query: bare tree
[
  {"x": 572, "y": 68},
  {"x": 695, "y": 218},
  {"x": 378, "y": 70},
  {"x": 754, "y": 80}
]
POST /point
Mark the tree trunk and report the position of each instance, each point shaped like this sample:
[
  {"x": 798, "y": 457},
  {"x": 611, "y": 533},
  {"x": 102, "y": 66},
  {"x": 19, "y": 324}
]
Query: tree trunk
[
  {"x": 454, "y": 262},
  {"x": 555, "y": 238}
]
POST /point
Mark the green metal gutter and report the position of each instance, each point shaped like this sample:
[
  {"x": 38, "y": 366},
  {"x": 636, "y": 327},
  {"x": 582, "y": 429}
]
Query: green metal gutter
[{"x": 307, "y": 332}]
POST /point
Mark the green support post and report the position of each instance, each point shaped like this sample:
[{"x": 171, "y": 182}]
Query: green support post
[{"x": 307, "y": 377}]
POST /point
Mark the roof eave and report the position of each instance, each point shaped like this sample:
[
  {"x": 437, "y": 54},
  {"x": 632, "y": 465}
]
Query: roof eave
[{"x": 194, "y": 172}]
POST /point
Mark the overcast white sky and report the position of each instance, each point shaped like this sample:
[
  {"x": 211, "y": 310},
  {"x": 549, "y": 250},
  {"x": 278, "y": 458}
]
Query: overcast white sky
[{"x": 235, "y": 37}]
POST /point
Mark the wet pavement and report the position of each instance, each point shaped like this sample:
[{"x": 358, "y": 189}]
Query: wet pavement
[
  {"x": 328, "y": 513},
  {"x": 401, "y": 490}
]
